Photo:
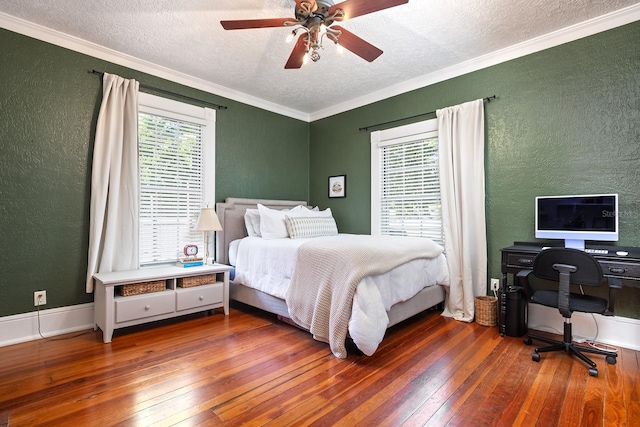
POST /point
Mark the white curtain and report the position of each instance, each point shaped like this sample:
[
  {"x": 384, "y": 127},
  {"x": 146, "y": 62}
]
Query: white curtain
[
  {"x": 113, "y": 228},
  {"x": 461, "y": 150}
]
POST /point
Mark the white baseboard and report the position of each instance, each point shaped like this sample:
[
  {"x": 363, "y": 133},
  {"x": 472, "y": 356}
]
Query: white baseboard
[
  {"x": 613, "y": 330},
  {"x": 56, "y": 321}
]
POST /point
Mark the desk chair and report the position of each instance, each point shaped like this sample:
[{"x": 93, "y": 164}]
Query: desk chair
[{"x": 567, "y": 266}]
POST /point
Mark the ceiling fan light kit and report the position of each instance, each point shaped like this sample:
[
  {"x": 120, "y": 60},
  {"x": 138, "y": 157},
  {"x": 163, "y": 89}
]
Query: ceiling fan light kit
[{"x": 314, "y": 20}]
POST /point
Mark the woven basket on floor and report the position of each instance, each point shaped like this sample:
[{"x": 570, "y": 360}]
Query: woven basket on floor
[
  {"x": 142, "y": 288},
  {"x": 188, "y": 282},
  {"x": 486, "y": 310}
]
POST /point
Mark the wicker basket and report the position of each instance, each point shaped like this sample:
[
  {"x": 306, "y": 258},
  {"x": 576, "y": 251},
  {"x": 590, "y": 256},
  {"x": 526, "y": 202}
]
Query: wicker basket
[
  {"x": 142, "y": 288},
  {"x": 188, "y": 282},
  {"x": 486, "y": 310}
]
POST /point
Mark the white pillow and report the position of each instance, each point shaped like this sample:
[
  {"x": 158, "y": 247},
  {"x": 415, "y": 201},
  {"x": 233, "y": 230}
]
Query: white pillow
[
  {"x": 272, "y": 221},
  {"x": 315, "y": 213},
  {"x": 252, "y": 222},
  {"x": 233, "y": 252}
]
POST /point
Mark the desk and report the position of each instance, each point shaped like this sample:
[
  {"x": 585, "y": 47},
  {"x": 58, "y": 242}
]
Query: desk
[{"x": 619, "y": 270}]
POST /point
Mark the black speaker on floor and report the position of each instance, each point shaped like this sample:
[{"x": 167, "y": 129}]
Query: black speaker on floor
[{"x": 513, "y": 312}]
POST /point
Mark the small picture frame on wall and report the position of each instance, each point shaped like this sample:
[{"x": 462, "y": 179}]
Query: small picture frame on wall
[{"x": 338, "y": 186}]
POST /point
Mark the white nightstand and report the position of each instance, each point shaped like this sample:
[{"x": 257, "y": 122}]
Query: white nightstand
[{"x": 113, "y": 311}]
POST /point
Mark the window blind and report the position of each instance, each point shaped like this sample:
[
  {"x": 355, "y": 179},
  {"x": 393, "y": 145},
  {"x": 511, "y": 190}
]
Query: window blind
[
  {"x": 410, "y": 190},
  {"x": 171, "y": 186}
]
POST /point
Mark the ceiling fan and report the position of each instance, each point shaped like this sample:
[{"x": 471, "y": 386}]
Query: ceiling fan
[{"x": 314, "y": 19}]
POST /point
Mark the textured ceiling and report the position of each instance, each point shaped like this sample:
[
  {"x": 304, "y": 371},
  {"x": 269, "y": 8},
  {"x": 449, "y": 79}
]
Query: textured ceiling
[{"x": 420, "y": 38}]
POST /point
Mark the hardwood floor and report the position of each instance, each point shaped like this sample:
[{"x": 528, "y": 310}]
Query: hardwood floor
[{"x": 249, "y": 368}]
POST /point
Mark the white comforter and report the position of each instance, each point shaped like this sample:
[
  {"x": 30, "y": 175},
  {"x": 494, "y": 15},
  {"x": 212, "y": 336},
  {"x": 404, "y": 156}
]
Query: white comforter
[{"x": 268, "y": 265}]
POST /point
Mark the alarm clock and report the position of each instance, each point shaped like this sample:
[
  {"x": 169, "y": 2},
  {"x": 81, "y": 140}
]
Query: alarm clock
[{"x": 190, "y": 250}]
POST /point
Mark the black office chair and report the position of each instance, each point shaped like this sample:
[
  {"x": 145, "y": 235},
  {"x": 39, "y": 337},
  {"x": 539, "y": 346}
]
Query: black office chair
[{"x": 567, "y": 266}]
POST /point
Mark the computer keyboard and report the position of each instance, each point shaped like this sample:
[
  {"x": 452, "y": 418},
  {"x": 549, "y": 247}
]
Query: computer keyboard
[{"x": 596, "y": 251}]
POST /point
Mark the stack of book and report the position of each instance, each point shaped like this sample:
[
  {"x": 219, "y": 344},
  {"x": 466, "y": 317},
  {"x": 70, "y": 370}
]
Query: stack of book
[{"x": 190, "y": 261}]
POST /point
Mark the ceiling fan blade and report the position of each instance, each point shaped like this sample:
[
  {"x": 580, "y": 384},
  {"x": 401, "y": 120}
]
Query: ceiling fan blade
[
  {"x": 296, "y": 59},
  {"x": 353, "y": 8},
  {"x": 355, "y": 44},
  {"x": 244, "y": 24}
]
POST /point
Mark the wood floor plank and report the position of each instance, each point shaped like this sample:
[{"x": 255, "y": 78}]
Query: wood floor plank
[
  {"x": 361, "y": 371},
  {"x": 453, "y": 386},
  {"x": 123, "y": 377},
  {"x": 408, "y": 397},
  {"x": 349, "y": 385},
  {"x": 593, "y": 412},
  {"x": 533, "y": 402},
  {"x": 250, "y": 369},
  {"x": 573, "y": 404},
  {"x": 614, "y": 414},
  {"x": 111, "y": 363},
  {"x": 398, "y": 365},
  {"x": 220, "y": 383},
  {"x": 629, "y": 368},
  {"x": 286, "y": 377},
  {"x": 371, "y": 399},
  {"x": 498, "y": 386},
  {"x": 550, "y": 412},
  {"x": 509, "y": 374}
]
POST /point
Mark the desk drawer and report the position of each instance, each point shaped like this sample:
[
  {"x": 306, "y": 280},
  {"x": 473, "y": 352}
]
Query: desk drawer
[
  {"x": 199, "y": 296},
  {"x": 145, "y": 305},
  {"x": 520, "y": 260},
  {"x": 623, "y": 270}
]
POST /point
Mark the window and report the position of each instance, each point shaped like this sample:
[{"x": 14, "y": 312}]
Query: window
[
  {"x": 405, "y": 182},
  {"x": 176, "y": 149}
]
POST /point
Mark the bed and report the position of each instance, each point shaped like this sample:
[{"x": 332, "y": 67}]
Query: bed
[{"x": 234, "y": 245}]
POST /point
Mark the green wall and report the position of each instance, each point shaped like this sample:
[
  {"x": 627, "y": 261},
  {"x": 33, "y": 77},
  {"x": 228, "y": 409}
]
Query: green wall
[
  {"x": 49, "y": 103},
  {"x": 566, "y": 121}
]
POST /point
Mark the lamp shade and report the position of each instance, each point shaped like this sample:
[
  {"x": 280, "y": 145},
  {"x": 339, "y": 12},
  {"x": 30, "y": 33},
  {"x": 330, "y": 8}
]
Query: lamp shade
[{"x": 208, "y": 220}]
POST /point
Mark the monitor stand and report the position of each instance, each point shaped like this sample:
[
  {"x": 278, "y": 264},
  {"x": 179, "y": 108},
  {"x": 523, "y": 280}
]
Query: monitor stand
[{"x": 574, "y": 244}]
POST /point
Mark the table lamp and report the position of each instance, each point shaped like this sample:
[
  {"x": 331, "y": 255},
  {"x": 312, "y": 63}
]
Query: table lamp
[{"x": 207, "y": 221}]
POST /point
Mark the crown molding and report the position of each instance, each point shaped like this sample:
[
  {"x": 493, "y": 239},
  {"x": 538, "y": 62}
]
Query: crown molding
[
  {"x": 584, "y": 29},
  {"x": 76, "y": 44}
]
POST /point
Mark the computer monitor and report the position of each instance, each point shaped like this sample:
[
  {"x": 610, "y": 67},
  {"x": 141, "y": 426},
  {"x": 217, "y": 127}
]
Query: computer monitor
[{"x": 577, "y": 218}]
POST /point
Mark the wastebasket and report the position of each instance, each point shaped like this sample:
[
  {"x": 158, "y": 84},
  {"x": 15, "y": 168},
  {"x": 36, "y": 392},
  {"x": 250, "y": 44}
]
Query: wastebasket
[{"x": 486, "y": 309}]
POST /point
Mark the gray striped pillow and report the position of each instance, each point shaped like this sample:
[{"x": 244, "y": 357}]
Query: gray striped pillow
[{"x": 299, "y": 227}]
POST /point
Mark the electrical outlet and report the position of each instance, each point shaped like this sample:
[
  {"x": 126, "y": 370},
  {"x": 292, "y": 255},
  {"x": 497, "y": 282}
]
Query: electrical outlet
[
  {"x": 39, "y": 298},
  {"x": 495, "y": 284}
]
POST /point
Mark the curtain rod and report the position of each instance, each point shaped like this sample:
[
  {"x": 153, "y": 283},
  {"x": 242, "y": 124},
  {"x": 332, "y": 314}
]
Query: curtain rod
[
  {"x": 487, "y": 99},
  {"x": 166, "y": 92}
]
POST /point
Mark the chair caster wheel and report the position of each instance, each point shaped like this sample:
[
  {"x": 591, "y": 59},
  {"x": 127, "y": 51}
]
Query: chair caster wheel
[
  {"x": 528, "y": 341},
  {"x": 535, "y": 357},
  {"x": 593, "y": 372},
  {"x": 611, "y": 360}
]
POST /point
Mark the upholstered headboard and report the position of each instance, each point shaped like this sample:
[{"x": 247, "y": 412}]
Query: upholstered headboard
[{"x": 231, "y": 216}]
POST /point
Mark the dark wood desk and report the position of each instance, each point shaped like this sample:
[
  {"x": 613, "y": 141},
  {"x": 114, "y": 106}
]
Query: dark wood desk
[{"x": 620, "y": 270}]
